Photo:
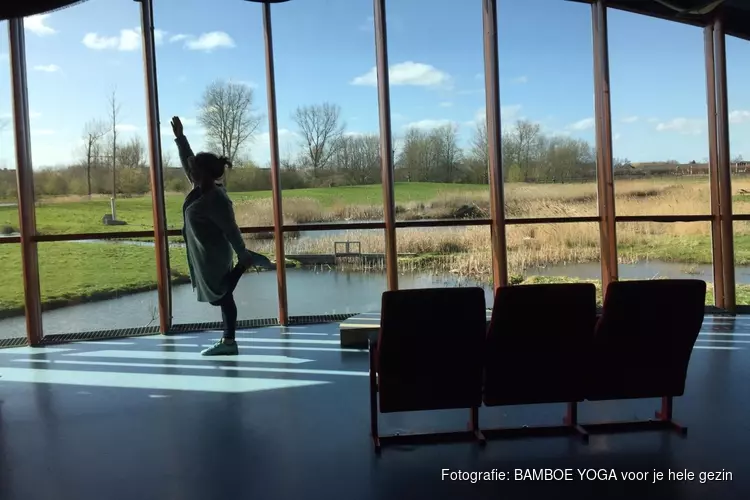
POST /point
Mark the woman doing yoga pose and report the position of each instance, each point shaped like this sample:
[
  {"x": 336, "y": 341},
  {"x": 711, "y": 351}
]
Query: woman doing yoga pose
[{"x": 211, "y": 237}]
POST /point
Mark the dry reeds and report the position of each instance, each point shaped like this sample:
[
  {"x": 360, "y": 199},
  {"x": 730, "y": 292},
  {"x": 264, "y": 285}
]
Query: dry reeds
[{"x": 466, "y": 251}]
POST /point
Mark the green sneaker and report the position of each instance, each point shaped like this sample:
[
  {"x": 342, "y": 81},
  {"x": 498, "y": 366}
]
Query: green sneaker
[{"x": 221, "y": 349}]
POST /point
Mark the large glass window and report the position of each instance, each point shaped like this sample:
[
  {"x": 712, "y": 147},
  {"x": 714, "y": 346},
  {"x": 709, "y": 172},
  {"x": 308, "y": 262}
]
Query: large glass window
[
  {"x": 12, "y": 320},
  {"x": 91, "y": 168},
  {"x": 440, "y": 142},
  {"x": 213, "y": 78},
  {"x": 739, "y": 137},
  {"x": 660, "y": 145},
  {"x": 329, "y": 149}
]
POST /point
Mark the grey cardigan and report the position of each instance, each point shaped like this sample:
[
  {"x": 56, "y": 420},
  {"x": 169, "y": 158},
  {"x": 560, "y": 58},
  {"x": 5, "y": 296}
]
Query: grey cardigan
[{"x": 211, "y": 234}]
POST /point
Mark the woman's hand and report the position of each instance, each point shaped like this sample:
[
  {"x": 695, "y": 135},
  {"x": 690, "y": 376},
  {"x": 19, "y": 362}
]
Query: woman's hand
[{"x": 177, "y": 126}]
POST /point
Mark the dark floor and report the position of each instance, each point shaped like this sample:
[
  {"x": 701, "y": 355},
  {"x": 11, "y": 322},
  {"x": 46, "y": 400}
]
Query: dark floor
[{"x": 147, "y": 418}]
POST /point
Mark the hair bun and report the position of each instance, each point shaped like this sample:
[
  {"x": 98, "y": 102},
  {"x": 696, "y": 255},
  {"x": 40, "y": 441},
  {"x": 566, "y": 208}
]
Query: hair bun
[{"x": 225, "y": 161}]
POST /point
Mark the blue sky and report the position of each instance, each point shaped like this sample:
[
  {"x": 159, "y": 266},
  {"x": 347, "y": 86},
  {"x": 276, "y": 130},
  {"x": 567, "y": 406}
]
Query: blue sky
[{"x": 325, "y": 52}]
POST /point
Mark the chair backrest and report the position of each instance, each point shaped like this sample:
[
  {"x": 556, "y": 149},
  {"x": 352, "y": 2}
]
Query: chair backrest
[
  {"x": 645, "y": 337},
  {"x": 429, "y": 352},
  {"x": 536, "y": 343}
]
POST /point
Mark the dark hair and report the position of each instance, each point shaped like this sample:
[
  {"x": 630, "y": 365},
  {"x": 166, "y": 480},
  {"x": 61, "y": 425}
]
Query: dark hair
[{"x": 213, "y": 164}]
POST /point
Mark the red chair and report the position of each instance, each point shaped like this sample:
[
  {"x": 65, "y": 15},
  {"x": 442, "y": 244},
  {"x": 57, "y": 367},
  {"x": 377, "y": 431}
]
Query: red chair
[
  {"x": 642, "y": 346},
  {"x": 428, "y": 356},
  {"x": 536, "y": 349}
]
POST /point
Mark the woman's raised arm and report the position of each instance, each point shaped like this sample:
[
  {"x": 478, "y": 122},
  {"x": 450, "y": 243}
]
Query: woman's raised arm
[{"x": 183, "y": 147}]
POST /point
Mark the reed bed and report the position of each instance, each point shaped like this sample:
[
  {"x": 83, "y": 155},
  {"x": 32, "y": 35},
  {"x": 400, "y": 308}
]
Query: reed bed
[{"x": 466, "y": 251}]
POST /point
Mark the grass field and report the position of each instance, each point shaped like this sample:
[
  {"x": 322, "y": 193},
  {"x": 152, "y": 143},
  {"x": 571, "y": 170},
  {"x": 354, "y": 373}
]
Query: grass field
[{"x": 74, "y": 271}]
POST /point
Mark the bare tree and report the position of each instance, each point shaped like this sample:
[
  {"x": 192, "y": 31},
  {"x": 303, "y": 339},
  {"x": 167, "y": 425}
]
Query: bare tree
[
  {"x": 133, "y": 154},
  {"x": 166, "y": 161},
  {"x": 479, "y": 153},
  {"x": 92, "y": 134},
  {"x": 358, "y": 158},
  {"x": 321, "y": 133},
  {"x": 227, "y": 115},
  {"x": 114, "y": 116},
  {"x": 447, "y": 151}
]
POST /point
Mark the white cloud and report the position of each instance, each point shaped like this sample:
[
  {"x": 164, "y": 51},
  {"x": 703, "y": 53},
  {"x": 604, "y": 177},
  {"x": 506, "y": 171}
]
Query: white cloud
[
  {"x": 617, "y": 136},
  {"x": 739, "y": 116},
  {"x": 584, "y": 124},
  {"x": 3, "y": 57},
  {"x": 34, "y": 114},
  {"x": 429, "y": 124},
  {"x": 446, "y": 104},
  {"x": 48, "y": 68},
  {"x": 407, "y": 73},
  {"x": 630, "y": 119},
  {"x": 179, "y": 38},
  {"x": 521, "y": 79},
  {"x": 37, "y": 25},
  {"x": 653, "y": 120},
  {"x": 127, "y": 41},
  {"x": 208, "y": 42},
  {"x": 685, "y": 126},
  {"x": 159, "y": 36}
]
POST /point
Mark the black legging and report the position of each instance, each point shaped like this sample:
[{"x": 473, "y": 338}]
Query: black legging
[{"x": 227, "y": 304}]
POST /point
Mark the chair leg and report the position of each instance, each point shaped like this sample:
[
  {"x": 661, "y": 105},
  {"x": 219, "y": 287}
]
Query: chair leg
[
  {"x": 663, "y": 422},
  {"x": 665, "y": 415},
  {"x": 571, "y": 420},
  {"x": 474, "y": 426},
  {"x": 374, "y": 407}
]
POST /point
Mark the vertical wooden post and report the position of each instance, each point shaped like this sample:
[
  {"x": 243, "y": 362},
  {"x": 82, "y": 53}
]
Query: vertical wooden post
[
  {"x": 156, "y": 169},
  {"x": 724, "y": 174},
  {"x": 605, "y": 175},
  {"x": 25, "y": 179},
  {"x": 494, "y": 142},
  {"x": 386, "y": 143},
  {"x": 273, "y": 137},
  {"x": 713, "y": 168}
]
